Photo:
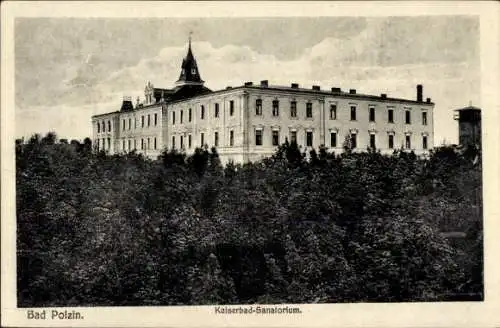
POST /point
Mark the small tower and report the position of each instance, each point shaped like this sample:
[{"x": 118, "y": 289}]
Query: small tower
[
  {"x": 469, "y": 125},
  {"x": 190, "y": 75}
]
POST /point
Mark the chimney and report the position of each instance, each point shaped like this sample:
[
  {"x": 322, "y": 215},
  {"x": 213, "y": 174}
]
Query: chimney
[
  {"x": 316, "y": 87},
  {"x": 227, "y": 88},
  {"x": 336, "y": 90},
  {"x": 419, "y": 93},
  {"x": 264, "y": 83},
  {"x": 428, "y": 100},
  {"x": 248, "y": 84},
  {"x": 383, "y": 96},
  {"x": 295, "y": 85},
  {"x": 352, "y": 91}
]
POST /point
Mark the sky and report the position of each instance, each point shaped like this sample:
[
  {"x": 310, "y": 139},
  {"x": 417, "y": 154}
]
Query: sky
[{"x": 68, "y": 69}]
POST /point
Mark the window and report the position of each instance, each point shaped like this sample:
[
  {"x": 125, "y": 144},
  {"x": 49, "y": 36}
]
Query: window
[
  {"x": 109, "y": 126},
  {"x": 123, "y": 144},
  {"x": 182, "y": 116},
  {"x": 190, "y": 114},
  {"x": 155, "y": 143},
  {"x": 408, "y": 142},
  {"x": 276, "y": 108},
  {"x": 309, "y": 110},
  {"x": 231, "y": 138},
  {"x": 424, "y": 142},
  {"x": 142, "y": 143},
  {"x": 231, "y": 108},
  {"x": 193, "y": 71},
  {"x": 129, "y": 145},
  {"x": 258, "y": 137},
  {"x": 372, "y": 141},
  {"x": 276, "y": 138},
  {"x": 216, "y": 139},
  {"x": 372, "y": 114},
  {"x": 309, "y": 139},
  {"x": 129, "y": 123},
  {"x": 293, "y": 109},
  {"x": 202, "y": 112},
  {"x": 156, "y": 119},
  {"x": 353, "y": 113},
  {"x": 407, "y": 117},
  {"x": 216, "y": 110},
  {"x": 333, "y": 112},
  {"x": 103, "y": 143},
  {"x": 258, "y": 107},
  {"x": 333, "y": 139},
  {"x": 98, "y": 127},
  {"x": 149, "y": 120},
  {"x": 123, "y": 124},
  {"x": 424, "y": 118},
  {"x": 135, "y": 144},
  {"x": 182, "y": 142},
  {"x": 173, "y": 142},
  {"x": 149, "y": 144},
  {"x": 390, "y": 115},
  {"x": 293, "y": 136},
  {"x": 189, "y": 141},
  {"x": 354, "y": 140},
  {"x": 109, "y": 143},
  {"x": 202, "y": 141},
  {"x": 135, "y": 123},
  {"x": 142, "y": 120},
  {"x": 391, "y": 141},
  {"x": 173, "y": 117},
  {"x": 103, "y": 127}
]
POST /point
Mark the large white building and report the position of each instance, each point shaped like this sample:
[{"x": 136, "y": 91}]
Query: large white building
[{"x": 248, "y": 122}]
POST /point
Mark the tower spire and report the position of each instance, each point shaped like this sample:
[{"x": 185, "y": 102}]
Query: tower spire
[{"x": 189, "y": 69}]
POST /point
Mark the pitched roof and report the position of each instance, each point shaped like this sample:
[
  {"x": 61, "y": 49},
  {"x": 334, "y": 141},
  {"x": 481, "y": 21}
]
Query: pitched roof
[{"x": 470, "y": 107}]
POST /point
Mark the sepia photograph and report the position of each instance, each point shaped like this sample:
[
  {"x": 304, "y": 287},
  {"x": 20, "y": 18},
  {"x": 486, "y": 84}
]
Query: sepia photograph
[{"x": 257, "y": 164}]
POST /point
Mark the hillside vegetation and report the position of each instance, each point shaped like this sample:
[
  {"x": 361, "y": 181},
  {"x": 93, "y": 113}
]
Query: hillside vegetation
[{"x": 95, "y": 229}]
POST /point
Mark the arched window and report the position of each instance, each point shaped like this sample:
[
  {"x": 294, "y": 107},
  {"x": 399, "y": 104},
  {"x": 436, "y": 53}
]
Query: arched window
[
  {"x": 98, "y": 127},
  {"x": 109, "y": 126}
]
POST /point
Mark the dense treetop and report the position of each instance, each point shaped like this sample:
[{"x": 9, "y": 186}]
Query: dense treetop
[{"x": 95, "y": 229}]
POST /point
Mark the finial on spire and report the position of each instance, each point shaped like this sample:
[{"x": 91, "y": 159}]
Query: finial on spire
[{"x": 190, "y": 34}]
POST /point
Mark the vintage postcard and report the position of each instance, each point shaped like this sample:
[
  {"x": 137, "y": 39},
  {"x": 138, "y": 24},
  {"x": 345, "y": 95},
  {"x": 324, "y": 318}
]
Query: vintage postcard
[{"x": 248, "y": 164}]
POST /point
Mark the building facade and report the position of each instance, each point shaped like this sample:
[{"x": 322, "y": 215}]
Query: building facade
[
  {"x": 248, "y": 122},
  {"x": 469, "y": 125}
]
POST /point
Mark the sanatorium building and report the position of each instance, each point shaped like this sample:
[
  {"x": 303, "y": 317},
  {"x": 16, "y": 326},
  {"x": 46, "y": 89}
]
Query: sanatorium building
[{"x": 248, "y": 122}]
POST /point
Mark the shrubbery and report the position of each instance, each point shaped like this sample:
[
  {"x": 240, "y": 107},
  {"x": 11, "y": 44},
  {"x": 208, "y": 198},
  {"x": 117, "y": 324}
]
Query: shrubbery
[{"x": 95, "y": 229}]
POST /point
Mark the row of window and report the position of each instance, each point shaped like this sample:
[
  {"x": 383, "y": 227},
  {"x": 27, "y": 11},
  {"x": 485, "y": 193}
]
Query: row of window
[
  {"x": 202, "y": 140},
  {"x": 202, "y": 112},
  {"x": 146, "y": 143},
  {"x": 308, "y": 112},
  {"x": 102, "y": 126},
  {"x": 101, "y": 144},
  {"x": 275, "y": 139},
  {"x": 309, "y": 136},
  {"x": 145, "y": 121},
  {"x": 333, "y": 112}
]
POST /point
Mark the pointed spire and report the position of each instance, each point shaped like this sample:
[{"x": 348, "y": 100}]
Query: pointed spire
[{"x": 189, "y": 69}]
